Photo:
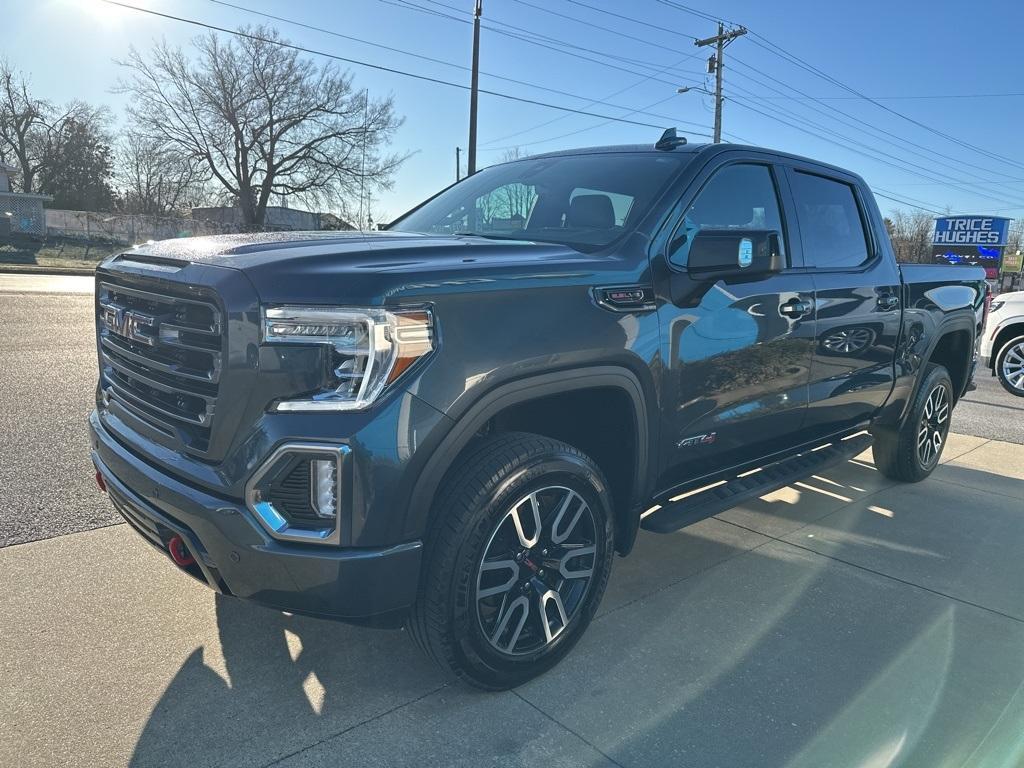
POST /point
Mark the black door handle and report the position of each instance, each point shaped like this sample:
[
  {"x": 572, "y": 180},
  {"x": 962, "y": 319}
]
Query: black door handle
[{"x": 795, "y": 308}]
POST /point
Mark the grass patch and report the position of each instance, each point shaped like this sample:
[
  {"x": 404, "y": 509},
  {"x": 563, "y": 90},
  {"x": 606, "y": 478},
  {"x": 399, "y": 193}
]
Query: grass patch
[{"x": 58, "y": 253}]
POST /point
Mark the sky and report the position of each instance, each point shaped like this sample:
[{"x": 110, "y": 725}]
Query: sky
[{"x": 941, "y": 128}]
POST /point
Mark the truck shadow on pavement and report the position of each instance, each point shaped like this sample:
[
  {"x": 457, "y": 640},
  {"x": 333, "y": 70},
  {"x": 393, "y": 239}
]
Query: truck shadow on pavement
[{"x": 871, "y": 624}]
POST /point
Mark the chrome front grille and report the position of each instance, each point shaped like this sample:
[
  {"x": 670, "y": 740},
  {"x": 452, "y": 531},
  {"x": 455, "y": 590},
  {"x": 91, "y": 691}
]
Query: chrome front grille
[{"x": 162, "y": 356}]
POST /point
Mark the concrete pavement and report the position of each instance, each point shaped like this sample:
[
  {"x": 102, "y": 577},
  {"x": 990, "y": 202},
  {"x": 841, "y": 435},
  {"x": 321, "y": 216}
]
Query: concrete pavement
[{"x": 846, "y": 620}]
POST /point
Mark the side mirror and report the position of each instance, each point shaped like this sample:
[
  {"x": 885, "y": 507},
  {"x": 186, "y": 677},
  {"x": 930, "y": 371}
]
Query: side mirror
[{"x": 716, "y": 253}]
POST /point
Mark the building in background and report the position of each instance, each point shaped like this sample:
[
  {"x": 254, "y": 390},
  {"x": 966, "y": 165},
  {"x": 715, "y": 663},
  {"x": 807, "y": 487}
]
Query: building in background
[
  {"x": 20, "y": 213},
  {"x": 277, "y": 218}
]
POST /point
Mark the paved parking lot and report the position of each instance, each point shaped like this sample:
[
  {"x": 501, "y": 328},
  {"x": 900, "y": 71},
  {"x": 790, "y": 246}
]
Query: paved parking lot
[{"x": 842, "y": 621}]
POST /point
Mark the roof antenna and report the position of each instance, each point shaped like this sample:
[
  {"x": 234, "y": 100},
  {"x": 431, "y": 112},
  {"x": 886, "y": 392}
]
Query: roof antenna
[{"x": 669, "y": 140}]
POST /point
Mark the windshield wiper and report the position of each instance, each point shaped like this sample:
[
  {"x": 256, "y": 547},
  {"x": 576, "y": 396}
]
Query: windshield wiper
[{"x": 485, "y": 236}]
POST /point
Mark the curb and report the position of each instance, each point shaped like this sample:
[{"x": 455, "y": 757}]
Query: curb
[{"x": 38, "y": 270}]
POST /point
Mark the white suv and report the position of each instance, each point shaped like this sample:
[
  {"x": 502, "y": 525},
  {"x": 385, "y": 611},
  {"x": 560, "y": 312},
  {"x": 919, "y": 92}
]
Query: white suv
[{"x": 1002, "y": 344}]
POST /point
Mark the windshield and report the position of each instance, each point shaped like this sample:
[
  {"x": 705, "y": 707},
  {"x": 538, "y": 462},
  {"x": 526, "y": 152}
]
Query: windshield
[{"x": 584, "y": 201}]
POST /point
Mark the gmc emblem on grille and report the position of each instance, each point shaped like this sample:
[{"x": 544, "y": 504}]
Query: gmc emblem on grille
[{"x": 134, "y": 326}]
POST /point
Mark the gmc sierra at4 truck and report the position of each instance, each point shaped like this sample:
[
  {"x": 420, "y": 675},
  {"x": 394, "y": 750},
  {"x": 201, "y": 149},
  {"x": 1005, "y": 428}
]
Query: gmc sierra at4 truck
[{"x": 455, "y": 424}]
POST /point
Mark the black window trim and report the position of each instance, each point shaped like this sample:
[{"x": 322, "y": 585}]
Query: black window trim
[
  {"x": 856, "y": 186},
  {"x": 703, "y": 178}
]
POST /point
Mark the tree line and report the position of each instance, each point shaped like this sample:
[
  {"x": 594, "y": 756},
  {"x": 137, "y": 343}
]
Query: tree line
[{"x": 241, "y": 120}]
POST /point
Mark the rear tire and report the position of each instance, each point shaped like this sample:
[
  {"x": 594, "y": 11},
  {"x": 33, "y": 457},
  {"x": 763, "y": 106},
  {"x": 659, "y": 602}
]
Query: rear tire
[
  {"x": 501, "y": 598},
  {"x": 911, "y": 453},
  {"x": 1010, "y": 366}
]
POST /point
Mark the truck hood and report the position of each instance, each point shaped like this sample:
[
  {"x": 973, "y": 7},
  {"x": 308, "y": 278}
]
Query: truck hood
[{"x": 319, "y": 267}]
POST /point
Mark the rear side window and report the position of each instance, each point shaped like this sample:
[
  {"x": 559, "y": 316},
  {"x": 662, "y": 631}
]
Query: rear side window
[
  {"x": 740, "y": 196},
  {"x": 831, "y": 227}
]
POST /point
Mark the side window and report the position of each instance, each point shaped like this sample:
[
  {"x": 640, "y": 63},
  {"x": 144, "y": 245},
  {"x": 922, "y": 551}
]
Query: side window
[
  {"x": 740, "y": 197},
  {"x": 831, "y": 227}
]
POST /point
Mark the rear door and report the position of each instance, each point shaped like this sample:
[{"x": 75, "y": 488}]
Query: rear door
[
  {"x": 857, "y": 295},
  {"x": 736, "y": 350}
]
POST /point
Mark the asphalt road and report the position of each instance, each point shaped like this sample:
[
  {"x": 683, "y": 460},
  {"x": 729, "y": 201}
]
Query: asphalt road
[
  {"x": 49, "y": 382},
  {"x": 50, "y": 376},
  {"x": 990, "y": 411}
]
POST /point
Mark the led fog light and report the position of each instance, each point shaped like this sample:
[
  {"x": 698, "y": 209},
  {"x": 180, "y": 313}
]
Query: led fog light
[
  {"x": 324, "y": 477},
  {"x": 297, "y": 493}
]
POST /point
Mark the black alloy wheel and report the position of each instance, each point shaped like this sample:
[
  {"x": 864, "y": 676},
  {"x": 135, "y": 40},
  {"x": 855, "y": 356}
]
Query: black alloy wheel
[{"x": 536, "y": 570}]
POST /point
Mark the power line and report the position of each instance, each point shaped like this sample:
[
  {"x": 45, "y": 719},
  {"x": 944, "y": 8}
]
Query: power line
[
  {"x": 876, "y": 193},
  {"x": 542, "y": 41},
  {"x": 605, "y": 11},
  {"x": 777, "y": 50},
  {"x": 379, "y": 67},
  {"x": 588, "y": 105},
  {"x": 390, "y": 49},
  {"x": 935, "y": 96},
  {"x": 797, "y": 61},
  {"x": 853, "y": 122},
  {"x": 699, "y": 14},
  {"x": 584, "y": 22},
  {"x": 588, "y": 128},
  {"x": 865, "y": 149}
]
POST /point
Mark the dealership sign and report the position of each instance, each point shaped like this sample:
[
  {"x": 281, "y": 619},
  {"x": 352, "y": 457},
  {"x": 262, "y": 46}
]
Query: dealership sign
[
  {"x": 971, "y": 230},
  {"x": 972, "y": 240}
]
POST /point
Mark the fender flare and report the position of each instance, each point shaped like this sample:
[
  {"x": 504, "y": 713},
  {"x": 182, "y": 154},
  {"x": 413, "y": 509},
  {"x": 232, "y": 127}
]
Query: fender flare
[
  {"x": 475, "y": 416},
  {"x": 948, "y": 325}
]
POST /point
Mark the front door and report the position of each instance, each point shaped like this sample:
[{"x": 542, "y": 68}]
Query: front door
[{"x": 737, "y": 349}]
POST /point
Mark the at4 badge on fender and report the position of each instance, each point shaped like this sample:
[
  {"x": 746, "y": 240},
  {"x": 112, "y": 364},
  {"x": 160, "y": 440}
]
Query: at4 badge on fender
[{"x": 690, "y": 442}]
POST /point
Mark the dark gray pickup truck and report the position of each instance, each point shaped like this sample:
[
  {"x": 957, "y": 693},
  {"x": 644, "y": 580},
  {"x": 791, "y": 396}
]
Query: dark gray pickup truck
[{"x": 456, "y": 423}]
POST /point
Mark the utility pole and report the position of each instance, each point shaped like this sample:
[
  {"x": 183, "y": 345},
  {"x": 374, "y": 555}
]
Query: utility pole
[
  {"x": 471, "y": 162},
  {"x": 458, "y": 163},
  {"x": 362, "y": 162},
  {"x": 720, "y": 40}
]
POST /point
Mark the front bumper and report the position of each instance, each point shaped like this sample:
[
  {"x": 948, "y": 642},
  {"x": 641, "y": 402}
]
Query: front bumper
[{"x": 235, "y": 556}]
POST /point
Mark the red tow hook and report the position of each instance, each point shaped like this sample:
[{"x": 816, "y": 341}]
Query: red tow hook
[
  {"x": 100, "y": 482},
  {"x": 179, "y": 552}
]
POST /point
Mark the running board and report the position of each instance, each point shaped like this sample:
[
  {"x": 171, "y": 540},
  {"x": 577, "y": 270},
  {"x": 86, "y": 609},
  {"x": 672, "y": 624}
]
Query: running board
[{"x": 700, "y": 504}]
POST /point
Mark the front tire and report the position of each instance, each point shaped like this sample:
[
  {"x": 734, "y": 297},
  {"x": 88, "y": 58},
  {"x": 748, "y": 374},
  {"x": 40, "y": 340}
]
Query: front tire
[
  {"x": 517, "y": 560},
  {"x": 912, "y": 453},
  {"x": 1010, "y": 366}
]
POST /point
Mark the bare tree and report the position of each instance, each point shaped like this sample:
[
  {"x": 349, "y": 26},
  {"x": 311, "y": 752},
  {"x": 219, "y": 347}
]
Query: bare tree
[
  {"x": 1015, "y": 237},
  {"x": 153, "y": 178},
  {"x": 32, "y": 130},
  {"x": 911, "y": 235},
  {"x": 262, "y": 120}
]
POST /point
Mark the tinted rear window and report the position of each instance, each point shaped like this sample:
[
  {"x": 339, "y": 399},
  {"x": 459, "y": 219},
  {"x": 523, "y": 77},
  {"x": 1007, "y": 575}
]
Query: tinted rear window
[{"x": 831, "y": 227}]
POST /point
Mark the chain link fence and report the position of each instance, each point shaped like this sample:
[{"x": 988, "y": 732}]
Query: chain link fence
[{"x": 128, "y": 228}]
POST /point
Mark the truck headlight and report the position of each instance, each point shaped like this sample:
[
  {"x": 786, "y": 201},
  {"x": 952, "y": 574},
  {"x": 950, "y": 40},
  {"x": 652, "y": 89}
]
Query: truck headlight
[{"x": 370, "y": 348}]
